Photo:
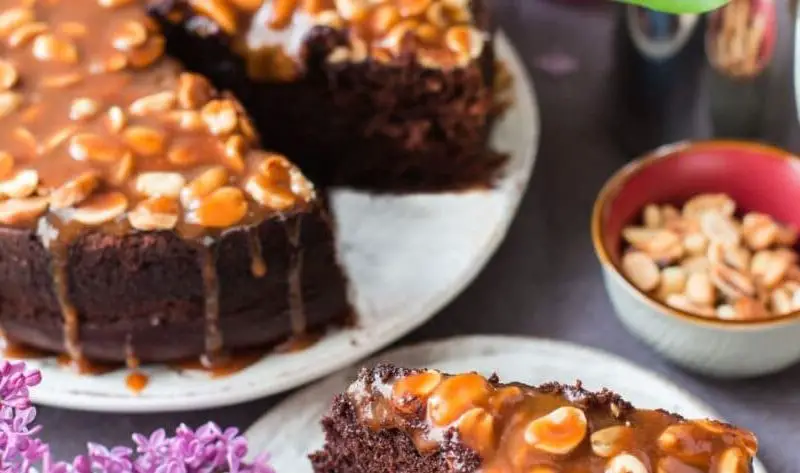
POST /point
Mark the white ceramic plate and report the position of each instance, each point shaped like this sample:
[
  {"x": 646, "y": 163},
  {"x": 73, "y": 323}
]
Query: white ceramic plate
[
  {"x": 291, "y": 431},
  {"x": 406, "y": 257}
]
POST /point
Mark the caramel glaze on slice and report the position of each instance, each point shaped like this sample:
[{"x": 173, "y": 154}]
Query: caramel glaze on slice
[{"x": 552, "y": 428}]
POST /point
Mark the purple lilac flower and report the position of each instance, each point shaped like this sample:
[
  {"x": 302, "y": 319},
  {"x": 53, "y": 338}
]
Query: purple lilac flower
[{"x": 209, "y": 449}]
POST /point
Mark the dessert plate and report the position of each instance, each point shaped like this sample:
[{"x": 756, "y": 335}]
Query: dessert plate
[
  {"x": 291, "y": 430},
  {"x": 406, "y": 257}
]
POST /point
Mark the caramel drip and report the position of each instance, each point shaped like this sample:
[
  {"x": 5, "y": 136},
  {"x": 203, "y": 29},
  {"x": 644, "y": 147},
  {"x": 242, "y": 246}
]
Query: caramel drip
[
  {"x": 59, "y": 269},
  {"x": 297, "y": 311},
  {"x": 57, "y": 232},
  {"x": 297, "y": 343},
  {"x": 258, "y": 265},
  {"x": 137, "y": 381},
  {"x": 56, "y": 239},
  {"x": 131, "y": 361},
  {"x": 18, "y": 351},
  {"x": 514, "y": 428},
  {"x": 213, "y": 335},
  {"x": 85, "y": 366},
  {"x": 229, "y": 365}
]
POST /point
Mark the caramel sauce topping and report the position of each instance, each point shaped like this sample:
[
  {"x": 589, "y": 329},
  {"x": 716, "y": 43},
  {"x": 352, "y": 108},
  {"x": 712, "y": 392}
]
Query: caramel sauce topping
[
  {"x": 98, "y": 127},
  {"x": 520, "y": 429},
  {"x": 439, "y": 32}
]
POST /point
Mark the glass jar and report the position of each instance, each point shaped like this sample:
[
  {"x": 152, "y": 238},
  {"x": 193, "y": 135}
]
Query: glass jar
[
  {"x": 748, "y": 86},
  {"x": 656, "y": 76}
]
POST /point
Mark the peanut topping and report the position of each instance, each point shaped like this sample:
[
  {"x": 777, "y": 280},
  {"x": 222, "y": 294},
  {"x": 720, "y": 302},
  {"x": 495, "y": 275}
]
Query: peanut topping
[
  {"x": 13, "y": 18},
  {"x": 22, "y": 211},
  {"x": 220, "y": 116},
  {"x": 455, "y": 396},
  {"x": 116, "y": 119},
  {"x": 706, "y": 261},
  {"x": 235, "y": 148},
  {"x": 159, "y": 213},
  {"x": 439, "y": 32},
  {"x": 282, "y": 12},
  {"x": 145, "y": 141},
  {"x": 733, "y": 461},
  {"x": 21, "y": 184},
  {"x": 521, "y": 429},
  {"x": 203, "y": 185},
  {"x": 612, "y": 440},
  {"x": 88, "y": 146},
  {"x": 75, "y": 191},
  {"x": 220, "y": 11},
  {"x": 476, "y": 427},
  {"x": 222, "y": 208},
  {"x": 744, "y": 440},
  {"x": 96, "y": 118},
  {"x": 130, "y": 35},
  {"x": 160, "y": 184},
  {"x": 6, "y": 164},
  {"x": 626, "y": 463},
  {"x": 695, "y": 444},
  {"x": 8, "y": 75},
  {"x": 101, "y": 208},
  {"x": 274, "y": 184},
  {"x": 193, "y": 91},
  {"x": 25, "y": 33},
  {"x": 559, "y": 432},
  {"x": 153, "y": 104},
  {"x": 48, "y": 47},
  {"x": 418, "y": 385},
  {"x": 83, "y": 109}
]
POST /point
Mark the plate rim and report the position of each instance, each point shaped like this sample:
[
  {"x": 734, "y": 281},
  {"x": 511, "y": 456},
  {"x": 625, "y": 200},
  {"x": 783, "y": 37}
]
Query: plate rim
[
  {"x": 95, "y": 401},
  {"x": 506, "y": 343}
]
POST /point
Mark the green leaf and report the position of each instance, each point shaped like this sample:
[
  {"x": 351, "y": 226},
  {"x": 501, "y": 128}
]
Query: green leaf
[{"x": 679, "y": 6}]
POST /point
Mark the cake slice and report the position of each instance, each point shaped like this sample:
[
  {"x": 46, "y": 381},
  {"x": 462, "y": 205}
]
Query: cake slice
[
  {"x": 411, "y": 421},
  {"x": 386, "y": 95}
]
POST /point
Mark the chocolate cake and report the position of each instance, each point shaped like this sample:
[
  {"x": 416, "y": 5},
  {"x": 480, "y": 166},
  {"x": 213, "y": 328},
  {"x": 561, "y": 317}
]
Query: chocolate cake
[
  {"x": 140, "y": 220},
  {"x": 387, "y": 95},
  {"x": 415, "y": 421}
]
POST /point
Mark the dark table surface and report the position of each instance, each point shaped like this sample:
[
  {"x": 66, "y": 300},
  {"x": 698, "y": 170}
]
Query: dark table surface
[{"x": 544, "y": 280}]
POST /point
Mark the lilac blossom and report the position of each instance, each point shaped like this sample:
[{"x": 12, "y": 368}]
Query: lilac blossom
[{"x": 209, "y": 449}]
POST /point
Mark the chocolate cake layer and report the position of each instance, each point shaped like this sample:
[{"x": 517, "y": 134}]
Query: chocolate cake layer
[
  {"x": 388, "y": 122},
  {"x": 140, "y": 219},
  {"x": 414, "y": 421},
  {"x": 144, "y": 295}
]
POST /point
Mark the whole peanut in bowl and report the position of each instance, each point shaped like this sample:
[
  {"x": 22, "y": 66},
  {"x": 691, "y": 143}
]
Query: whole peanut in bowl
[{"x": 698, "y": 245}]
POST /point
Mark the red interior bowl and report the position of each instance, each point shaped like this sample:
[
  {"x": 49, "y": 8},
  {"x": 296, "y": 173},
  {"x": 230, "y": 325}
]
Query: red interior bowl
[{"x": 758, "y": 177}]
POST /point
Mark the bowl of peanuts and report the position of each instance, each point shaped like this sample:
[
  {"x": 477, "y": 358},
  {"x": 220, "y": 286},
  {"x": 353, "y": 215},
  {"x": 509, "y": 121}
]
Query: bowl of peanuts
[{"x": 698, "y": 243}]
